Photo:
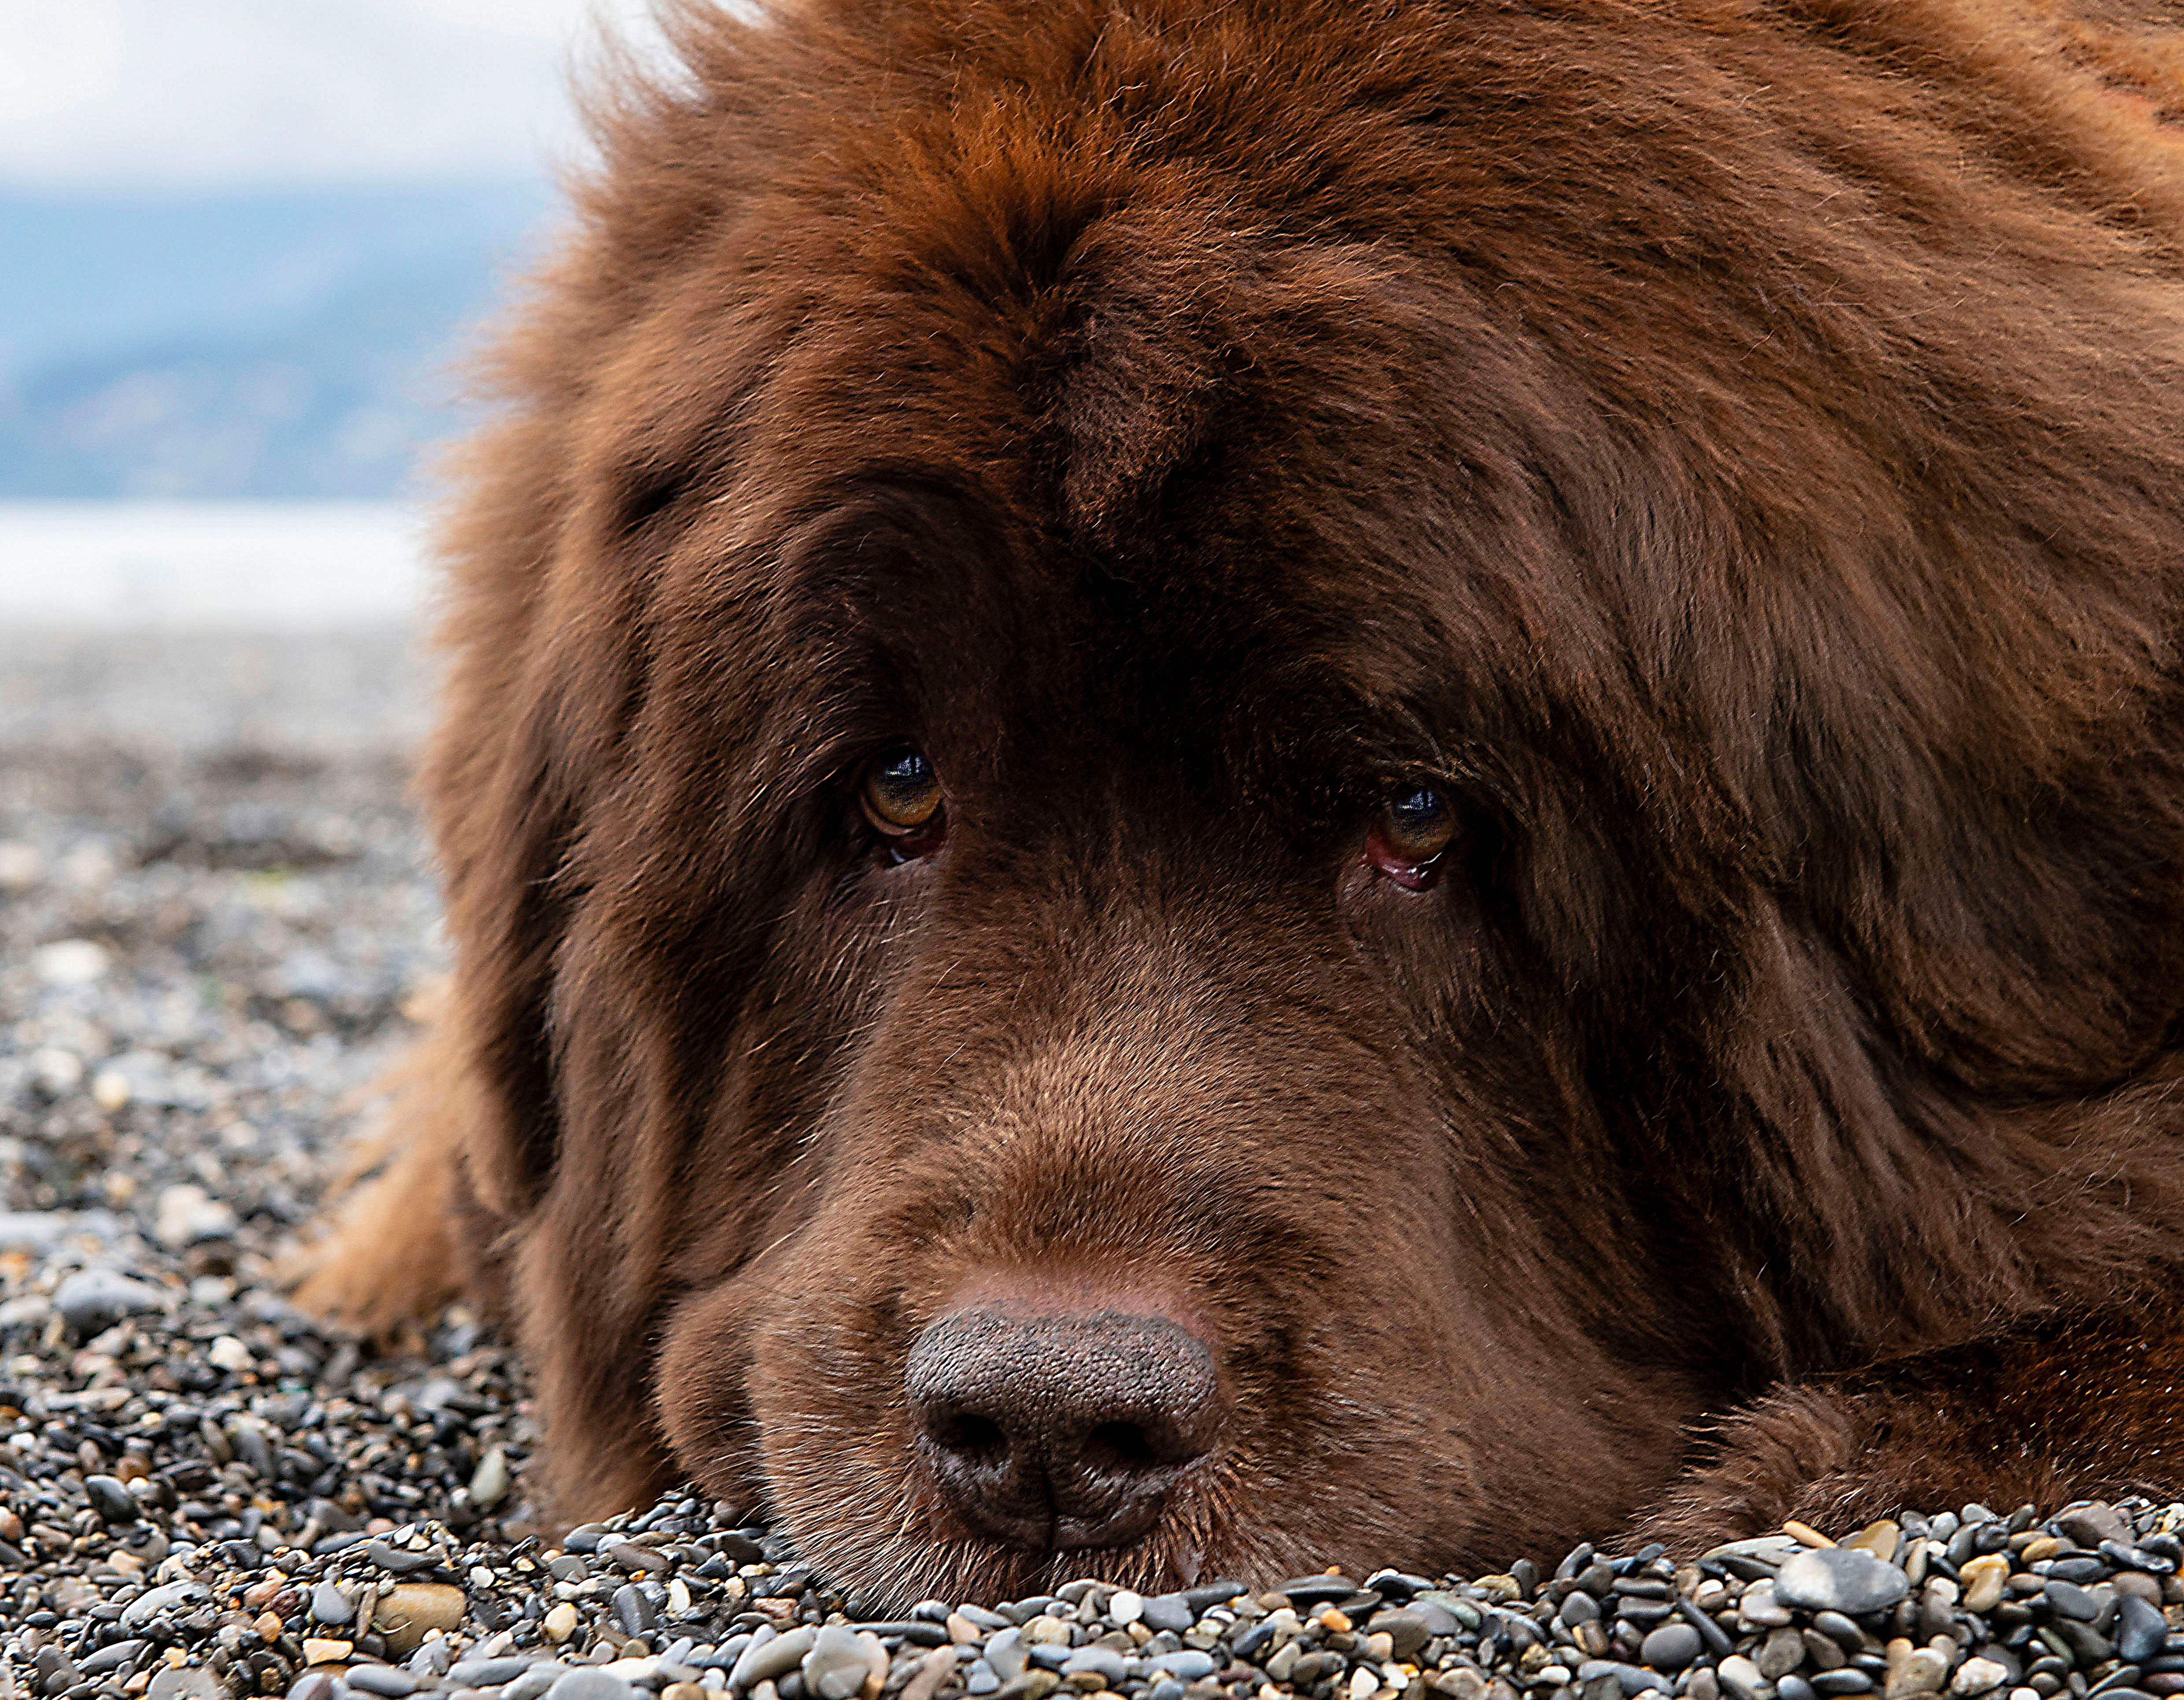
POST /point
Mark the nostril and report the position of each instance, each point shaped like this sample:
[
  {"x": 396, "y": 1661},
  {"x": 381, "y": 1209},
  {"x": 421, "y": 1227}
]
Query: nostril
[
  {"x": 972, "y": 1437},
  {"x": 1120, "y": 1448}
]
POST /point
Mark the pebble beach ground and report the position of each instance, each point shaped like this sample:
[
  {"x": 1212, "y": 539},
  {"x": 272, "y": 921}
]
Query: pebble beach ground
[{"x": 214, "y": 912}]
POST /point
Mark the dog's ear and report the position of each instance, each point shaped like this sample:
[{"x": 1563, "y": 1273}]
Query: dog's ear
[{"x": 525, "y": 740}]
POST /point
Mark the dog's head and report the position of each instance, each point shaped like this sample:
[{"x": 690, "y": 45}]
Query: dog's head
[{"x": 1174, "y": 860}]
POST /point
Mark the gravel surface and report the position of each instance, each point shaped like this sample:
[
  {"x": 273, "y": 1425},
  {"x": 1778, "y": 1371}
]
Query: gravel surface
[{"x": 215, "y": 911}]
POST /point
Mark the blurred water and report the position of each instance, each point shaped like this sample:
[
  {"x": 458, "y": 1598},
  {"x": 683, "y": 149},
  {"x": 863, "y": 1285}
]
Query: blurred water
[{"x": 255, "y": 565}]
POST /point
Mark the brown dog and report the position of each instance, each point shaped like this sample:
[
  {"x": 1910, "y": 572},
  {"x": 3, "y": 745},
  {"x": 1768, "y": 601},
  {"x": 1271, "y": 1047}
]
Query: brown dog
[{"x": 1367, "y": 780}]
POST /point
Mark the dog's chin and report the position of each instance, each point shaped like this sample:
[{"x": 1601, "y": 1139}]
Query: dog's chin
[{"x": 931, "y": 1556}]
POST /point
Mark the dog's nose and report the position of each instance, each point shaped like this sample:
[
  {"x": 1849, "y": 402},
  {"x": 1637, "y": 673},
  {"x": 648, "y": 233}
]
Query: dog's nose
[{"x": 1052, "y": 1432}]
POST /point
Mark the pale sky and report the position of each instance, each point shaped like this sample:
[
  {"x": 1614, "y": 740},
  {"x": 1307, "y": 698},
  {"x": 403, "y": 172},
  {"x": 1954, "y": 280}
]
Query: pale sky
[{"x": 152, "y": 94}]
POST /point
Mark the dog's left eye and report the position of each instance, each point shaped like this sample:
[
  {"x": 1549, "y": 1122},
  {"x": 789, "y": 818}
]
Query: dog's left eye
[
  {"x": 1410, "y": 834},
  {"x": 901, "y": 797}
]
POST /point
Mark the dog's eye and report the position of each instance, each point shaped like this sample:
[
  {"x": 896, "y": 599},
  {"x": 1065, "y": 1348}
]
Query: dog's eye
[
  {"x": 901, "y": 797},
  {"x": 1410, "y": 834}
]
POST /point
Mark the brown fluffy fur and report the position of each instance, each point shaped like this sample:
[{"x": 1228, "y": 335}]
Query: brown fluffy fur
[{"x": 1735, "y": 448}]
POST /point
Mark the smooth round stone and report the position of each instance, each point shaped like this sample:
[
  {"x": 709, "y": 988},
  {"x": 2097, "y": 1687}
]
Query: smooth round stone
[
  {"x": 1125, "y": 1606},
  {"x": 1169, "y": 1611},
  {"x": 1839, "y": 1629},
  {"x": 110, "y": 1498},
  {"x": 413, "y": 1610},
  {"x": 330, "y": 1605},
  {"x": 582, "y": 1683},
  {"x": 1742, "y": 1677},
  {"x": 1631, "y": 1679},
  {"x": 981, "y": 1678},
  {"x": 634, "y": 1611},
  {"x": 1762, "y": 1605},
  {"x": 1407, "y": 1631},
  {"x": 382, "y": 1680},
  {"x": 1186, "y": 1666},
  {"x": 91, "y": 1300},
  {"x": 2068, "y": 1600},
  {"x": 1844, "y": 1680},
  {"x": 168, "y": 1597},
  {"x": 1983, "y": 1580},
  {"x": 487, "y": 1673},
  {"x": 1314, "y": 1591},
  {"x": 1006, "y": 1653},
  {"x": 2139, "y": 1631},
  {"x": 1669, "y": 1647},
  {"x": 1976, "y": 1676},
  {"x": 763, "y": 1661},
  {"x": 1780, "y": 1653},
  {"x": 837, "y": 1666},
  {"x": 1794, "y": 1688},
  {"x": 1839, "y": 1579},
  {"x": 1103, "y": 1662}
]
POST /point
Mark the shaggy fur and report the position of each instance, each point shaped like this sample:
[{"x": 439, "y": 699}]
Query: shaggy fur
[{"x": 1736, "y": 449}]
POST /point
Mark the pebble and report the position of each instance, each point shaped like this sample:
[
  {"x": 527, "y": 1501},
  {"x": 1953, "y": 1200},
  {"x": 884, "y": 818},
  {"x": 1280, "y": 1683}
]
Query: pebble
[
  {"x": 1670, "y": 1647},
  {"x": 1840, "y": 1579},
  {"x": 589, "y": 1685},
  {"x": 410, "y": 1611},
  {"x": 836, "y": 1667}
]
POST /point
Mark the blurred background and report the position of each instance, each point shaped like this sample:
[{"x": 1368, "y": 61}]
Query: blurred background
[{"x": 242, "y": 245}]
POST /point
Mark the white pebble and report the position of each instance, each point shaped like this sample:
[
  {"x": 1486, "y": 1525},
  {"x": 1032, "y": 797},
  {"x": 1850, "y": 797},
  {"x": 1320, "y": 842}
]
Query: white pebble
[
  {"x": 71, "y": 962},
  {"x": 1976, "y": 1676},
  {"x": 231, "y": 1354},
  {"x": 1125, "y": 1607}
]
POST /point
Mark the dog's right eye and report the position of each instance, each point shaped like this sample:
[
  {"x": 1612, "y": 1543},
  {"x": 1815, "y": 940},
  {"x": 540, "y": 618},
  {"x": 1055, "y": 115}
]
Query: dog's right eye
[{"x": 901, "y": 797}]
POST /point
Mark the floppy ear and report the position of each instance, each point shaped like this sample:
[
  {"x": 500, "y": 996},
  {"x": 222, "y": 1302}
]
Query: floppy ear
[{"x": 525, "y": 736}]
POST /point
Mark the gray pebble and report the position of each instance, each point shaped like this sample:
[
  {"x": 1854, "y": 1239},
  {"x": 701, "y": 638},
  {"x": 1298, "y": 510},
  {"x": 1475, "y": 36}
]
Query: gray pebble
[
  {"x": 980, "y": 1679},
  {"x": 167, "y": 1598},
  {"x": 397, "y": 1560},
  {"x": 119, "y": 1655},
  {"x": 634, "y": 1611},
  {"x": 1006, "y": 1654},
  {"x": 1839, "y": 1579},
  {"x": 581, "y": 1684},
  {"x": 2139, "y": 1631},
  {"x": 1102, "y": 1661},
  {"x": 383, "y": 1679},
  {"x": 1671, "y": 1646},
  {"x": 2069, "y": 1601},
  {"x": 1186, "y": 1666},
  {"x": 1630, "y": 1678},
  {"x": 535, "y": 1681},
  {"x": 767, "y": 1660},
  {"x": 1170, "y": 1612},
  {"x": 93, "y": 1299},
  {"x": 330, "y": 1605},
  {"x": 487, "y": 1673}
]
